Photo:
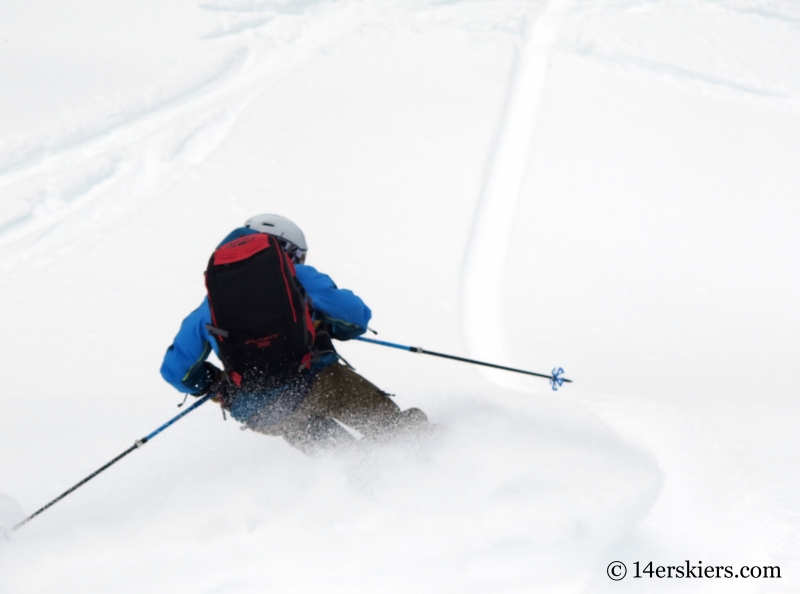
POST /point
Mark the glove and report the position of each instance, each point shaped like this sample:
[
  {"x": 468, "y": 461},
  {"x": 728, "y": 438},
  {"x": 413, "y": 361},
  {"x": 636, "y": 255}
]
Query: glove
[
  {"x": 213, "y": 378},
  {"x": 344, "y": 331},
  {"x": 221, "y": 390}
]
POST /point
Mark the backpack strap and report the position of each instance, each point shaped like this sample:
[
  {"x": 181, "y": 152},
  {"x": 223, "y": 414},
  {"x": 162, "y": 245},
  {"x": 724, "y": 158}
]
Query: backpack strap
[{"x": 217, "y": 331}]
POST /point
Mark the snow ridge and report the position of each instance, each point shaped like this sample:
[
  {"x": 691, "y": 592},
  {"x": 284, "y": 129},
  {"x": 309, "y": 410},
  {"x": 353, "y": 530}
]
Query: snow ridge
[{"x": 483, "y": 268}]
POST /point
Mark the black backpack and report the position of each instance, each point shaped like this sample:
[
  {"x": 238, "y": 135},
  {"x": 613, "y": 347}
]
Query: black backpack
[{"x": 259, "y": 312}]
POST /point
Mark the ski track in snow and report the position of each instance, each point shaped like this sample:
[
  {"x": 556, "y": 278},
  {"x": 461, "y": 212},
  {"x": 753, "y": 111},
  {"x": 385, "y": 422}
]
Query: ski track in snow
[
  {"x": 141, "y": 151},
  {"x": 136, "y": 144},
  {"x": 483, "y": 269}
]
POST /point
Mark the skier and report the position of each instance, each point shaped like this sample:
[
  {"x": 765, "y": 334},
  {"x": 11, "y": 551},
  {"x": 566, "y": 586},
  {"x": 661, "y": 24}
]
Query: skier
[{"x": 270, "y": 319}]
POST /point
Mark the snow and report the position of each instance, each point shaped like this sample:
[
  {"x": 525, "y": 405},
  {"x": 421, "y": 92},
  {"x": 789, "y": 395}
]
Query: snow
[{"x": 609, "y": 186}]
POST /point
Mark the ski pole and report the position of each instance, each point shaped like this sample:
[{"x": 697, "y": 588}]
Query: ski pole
[
  {"x": 139, "y": 443},
  {"x": 555, "y": 377}
]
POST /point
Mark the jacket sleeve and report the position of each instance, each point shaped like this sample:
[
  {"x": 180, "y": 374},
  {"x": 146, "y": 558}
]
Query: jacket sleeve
[
  {"x": 347, "y": 314},
  {"x": 183, "y": 362}
]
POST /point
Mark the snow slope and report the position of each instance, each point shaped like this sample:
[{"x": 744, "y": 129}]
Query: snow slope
[{"x": 609, "y": 186}]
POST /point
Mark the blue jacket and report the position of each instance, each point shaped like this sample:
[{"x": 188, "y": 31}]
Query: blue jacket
[{"x": 183, "y": 362}]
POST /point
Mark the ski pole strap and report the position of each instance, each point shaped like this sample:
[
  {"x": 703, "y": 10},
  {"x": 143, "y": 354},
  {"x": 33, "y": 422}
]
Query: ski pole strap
[
  {"x": 137, "y": 444},
  {"x": 555, "y": 379},
  {"x": 201, "y": 400}
]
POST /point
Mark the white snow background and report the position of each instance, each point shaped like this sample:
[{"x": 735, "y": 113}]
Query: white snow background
[{"x": 612, "y": 186}]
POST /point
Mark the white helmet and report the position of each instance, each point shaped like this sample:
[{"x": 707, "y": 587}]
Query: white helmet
[{"x": 282, "y": 227}]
